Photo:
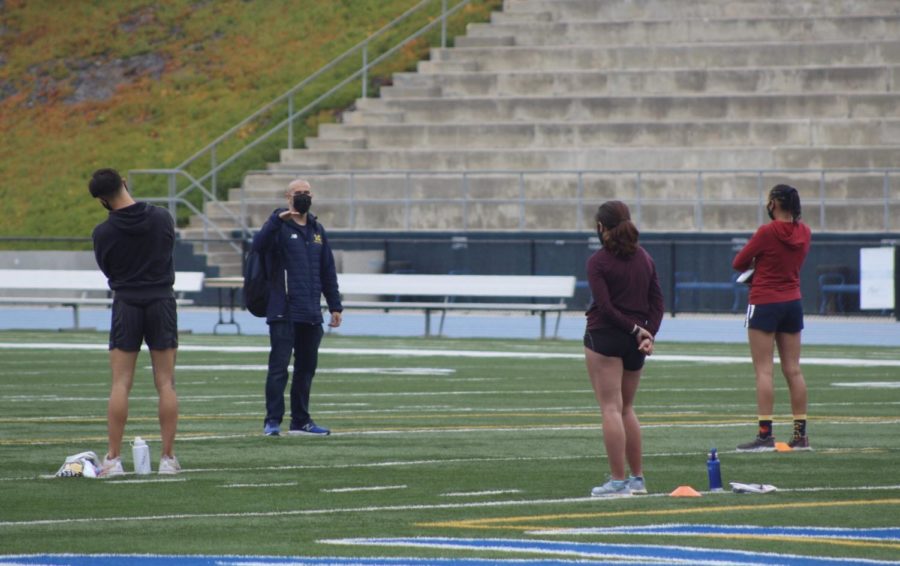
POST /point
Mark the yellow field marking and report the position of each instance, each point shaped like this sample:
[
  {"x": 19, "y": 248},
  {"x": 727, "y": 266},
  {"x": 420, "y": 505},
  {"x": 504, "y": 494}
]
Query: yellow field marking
[{"x": 509, "y": 522}]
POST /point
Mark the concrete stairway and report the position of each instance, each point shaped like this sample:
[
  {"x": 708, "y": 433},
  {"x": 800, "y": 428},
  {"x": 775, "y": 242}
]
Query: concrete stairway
[{"x": 492, "y": 133}]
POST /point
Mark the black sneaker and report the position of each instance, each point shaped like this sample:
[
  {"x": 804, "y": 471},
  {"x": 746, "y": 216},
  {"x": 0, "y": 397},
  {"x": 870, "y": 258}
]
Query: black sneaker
[
  {"x": 758, "y": 445},
  {"x": 800, "y": 443}
]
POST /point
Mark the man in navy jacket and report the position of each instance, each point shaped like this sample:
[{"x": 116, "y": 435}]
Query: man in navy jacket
[{"x": 301, "y": 269}]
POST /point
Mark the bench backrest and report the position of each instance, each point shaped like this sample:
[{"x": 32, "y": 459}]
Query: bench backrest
[
  {"x": 545, "y": 286},
  {"x": 81, "y": 280}
]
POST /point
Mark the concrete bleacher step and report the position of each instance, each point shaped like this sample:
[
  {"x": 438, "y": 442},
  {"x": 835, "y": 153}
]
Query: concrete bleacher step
[
  {"x": 785, "y": 29},
  {"x": 589, "y": 184},
  {"x": 714, "y": 157},
  {"x": 675, "y": 55},
  {"x": 485, "y": 40},
  {"x": 804, "y": 79},
  {"x": 621, "y": 108},
  {"x": 738, "y": 133},
  {"x": 695, "y": 9}
]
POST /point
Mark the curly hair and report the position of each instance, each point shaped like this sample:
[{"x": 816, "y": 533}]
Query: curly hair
[{"x": 620, "y": 235}]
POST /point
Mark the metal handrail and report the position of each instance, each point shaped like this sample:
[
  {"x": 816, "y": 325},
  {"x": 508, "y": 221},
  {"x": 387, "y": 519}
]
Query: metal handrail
[{"x": 216, "y": 166}]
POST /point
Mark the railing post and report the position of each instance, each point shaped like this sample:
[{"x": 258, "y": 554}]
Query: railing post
[
  {"x": 408, "y": 204},
  {"x": 443, "y": 23},
  {"x": 822, "y": 199},
  {"x": 762, "y": 202},
  {"x": 887, "y": 209},
  {"x": 291, "y": 122},
  {"x": 212, "y": 169},
  {"x": 698, "y": 207},
  {"x": 638, "y": 193},
  {"x": 365, "y": 69},
  {"x": 465, "y": 200},
  {"x": 173, "y": 206},
  {"x": 579, "y": 206},
  {"x": 521, "y": 200},
  {"x": 352, "y": 190}
]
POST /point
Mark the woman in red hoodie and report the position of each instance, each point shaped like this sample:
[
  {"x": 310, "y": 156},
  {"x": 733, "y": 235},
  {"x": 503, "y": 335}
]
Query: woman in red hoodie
[{"x": 775, "y": 313}]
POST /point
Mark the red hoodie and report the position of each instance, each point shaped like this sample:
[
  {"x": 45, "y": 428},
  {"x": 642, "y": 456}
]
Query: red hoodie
[{"x": 779, "y": 249}]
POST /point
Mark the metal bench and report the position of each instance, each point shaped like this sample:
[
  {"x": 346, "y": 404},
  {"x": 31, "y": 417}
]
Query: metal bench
[
  {"x": 447, "y": 287},
  {"x": 833, "y": 286},
  {"x": 75, "y": 288},
  {"x": 687, "y": 281}
]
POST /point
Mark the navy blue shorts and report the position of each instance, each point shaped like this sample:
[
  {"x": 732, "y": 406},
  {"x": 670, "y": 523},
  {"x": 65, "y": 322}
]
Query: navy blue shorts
[
  {"x": 776, "y": 317},
  {"x": 615, "y": 344},
  {"x": 135, "y": 321}
]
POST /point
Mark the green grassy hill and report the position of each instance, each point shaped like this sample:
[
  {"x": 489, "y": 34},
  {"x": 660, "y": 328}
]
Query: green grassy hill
[{"x": 146, "y": 83}]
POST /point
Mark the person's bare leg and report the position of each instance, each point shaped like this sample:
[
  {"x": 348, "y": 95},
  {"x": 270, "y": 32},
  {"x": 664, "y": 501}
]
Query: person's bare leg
[
  {"x": 762, "y": 349},
  {"x": 633, "y": 448},
  {"x": 789, "y": 352},
  {"x": 121, "y": 364},
  {"x": 164, "y": 379},
  {"x": 606, "y": 378}
]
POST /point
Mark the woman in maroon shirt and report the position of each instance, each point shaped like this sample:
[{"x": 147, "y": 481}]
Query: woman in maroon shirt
[
  {"x": 622, "y": 320},
  {"x": 775, "y": 314}
]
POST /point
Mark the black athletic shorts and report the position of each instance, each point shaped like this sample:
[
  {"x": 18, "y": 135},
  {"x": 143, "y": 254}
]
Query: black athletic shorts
[
  {"x": 615, "y": 344},
  {"x": 135, "y": 321},
  {"x": 776, "y": 317}
]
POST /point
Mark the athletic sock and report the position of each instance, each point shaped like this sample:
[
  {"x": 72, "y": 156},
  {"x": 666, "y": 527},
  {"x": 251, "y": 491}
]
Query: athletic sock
[
  {"x": 765, "y": 427},
  {"x": 799, "y": 426}
]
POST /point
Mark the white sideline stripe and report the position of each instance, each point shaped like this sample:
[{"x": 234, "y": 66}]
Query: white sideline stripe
[
  {"x": 477, "y": 493},
  {"x": 869, "y": 384},
  {"x": 370, "y": 509},
  {"x": 285, "y": 484},
  {"x": 335, "y": 371},
  {"x": 372, "y": 488},
  {"x": 425, "y": 353}
]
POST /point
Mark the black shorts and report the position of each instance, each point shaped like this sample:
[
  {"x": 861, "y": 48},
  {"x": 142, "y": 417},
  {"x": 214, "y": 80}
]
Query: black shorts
[
  {"x": 615, "y": 344},
  {"x": 776, "y": 317},
  {"x": 134, "y": 321}
]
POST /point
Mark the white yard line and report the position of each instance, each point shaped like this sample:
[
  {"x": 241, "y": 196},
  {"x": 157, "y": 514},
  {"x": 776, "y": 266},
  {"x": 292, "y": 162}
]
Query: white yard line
[
  {"x": 370, "y": 488},
  {"x": 285, "y": 484},
  {"x": 480, "y": 493},
  {"x": 429, "y": 353},
  {"x": 339, "y": 511}
]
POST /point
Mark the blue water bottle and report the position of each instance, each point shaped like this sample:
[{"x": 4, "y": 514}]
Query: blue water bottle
[{"x": 714, "y": 472}]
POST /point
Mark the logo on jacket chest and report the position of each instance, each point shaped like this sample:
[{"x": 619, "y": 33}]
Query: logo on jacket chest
[{"x": 317, "y": 239}]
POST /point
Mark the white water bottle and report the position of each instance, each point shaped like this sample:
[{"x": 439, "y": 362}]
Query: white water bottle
[{"x": 140, "y": 452}]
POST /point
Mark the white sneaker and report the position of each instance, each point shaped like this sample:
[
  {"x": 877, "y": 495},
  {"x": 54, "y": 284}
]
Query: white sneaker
[
  {"x": 111, "y": 467},
  {"x": 169, "y": 466},
  {"x": 636, "y": 485},
  {"x": 612, "y": 488}
]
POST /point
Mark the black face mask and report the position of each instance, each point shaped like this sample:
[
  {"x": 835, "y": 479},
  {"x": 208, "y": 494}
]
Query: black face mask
[
  {"x": 770, "y": 208},
  {"x": 106, "y": 205},
  {"x": 302, "y": 202}
]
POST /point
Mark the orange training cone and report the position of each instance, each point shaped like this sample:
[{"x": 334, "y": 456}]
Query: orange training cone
[
  {"x": 684, "y": 491},
  {"x": 782, "y": 447}
]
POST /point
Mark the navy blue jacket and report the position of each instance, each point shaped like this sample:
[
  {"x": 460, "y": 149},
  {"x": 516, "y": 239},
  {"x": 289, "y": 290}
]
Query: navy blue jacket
[{"x": 301, "y": 269}]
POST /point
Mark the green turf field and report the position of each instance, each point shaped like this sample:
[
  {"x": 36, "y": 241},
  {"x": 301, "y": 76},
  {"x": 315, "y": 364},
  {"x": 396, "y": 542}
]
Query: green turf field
[{"x": 460, "y": 439}]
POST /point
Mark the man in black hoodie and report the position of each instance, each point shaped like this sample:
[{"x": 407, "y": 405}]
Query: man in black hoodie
[{"x": 133, "y": 248}]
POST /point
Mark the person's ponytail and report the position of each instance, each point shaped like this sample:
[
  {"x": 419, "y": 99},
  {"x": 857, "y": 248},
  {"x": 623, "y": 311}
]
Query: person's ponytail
[{"x": 618, "y": 233}]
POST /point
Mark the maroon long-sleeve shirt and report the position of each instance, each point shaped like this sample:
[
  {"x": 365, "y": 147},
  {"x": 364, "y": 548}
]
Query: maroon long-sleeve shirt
[{"x": 626, "y": 292}]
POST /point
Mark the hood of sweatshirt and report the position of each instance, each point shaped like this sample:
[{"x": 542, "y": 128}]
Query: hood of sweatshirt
[
  {"x": 134, "y": 219},
  {"x": 791, "y": 234}
]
